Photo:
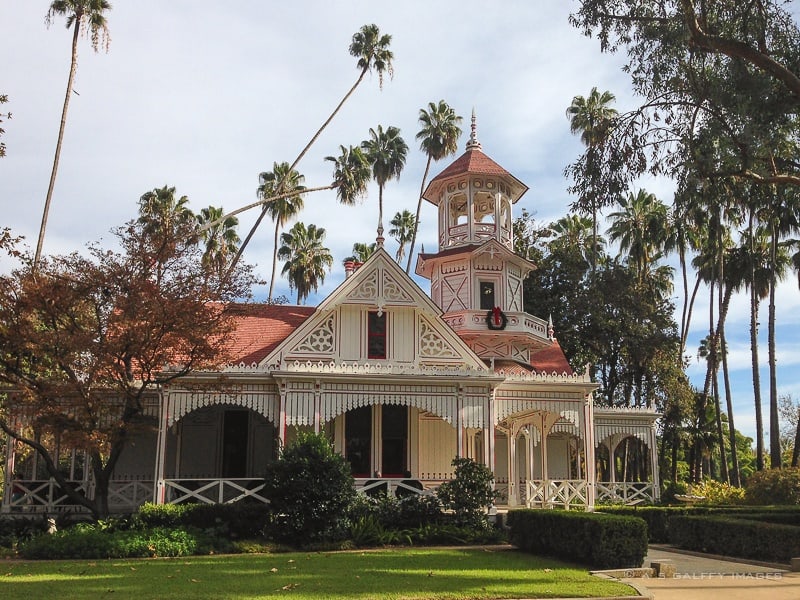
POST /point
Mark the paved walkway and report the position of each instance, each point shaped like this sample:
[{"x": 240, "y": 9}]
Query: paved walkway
[{"x": 700, "y": 577}]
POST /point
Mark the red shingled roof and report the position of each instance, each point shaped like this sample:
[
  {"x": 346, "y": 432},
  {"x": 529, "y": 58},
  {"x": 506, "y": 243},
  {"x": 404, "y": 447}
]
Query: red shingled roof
[
  {"x": 472, "y": 161},
  {"x": 551, "y": 360},
  {"x": 261, "y": 327}
]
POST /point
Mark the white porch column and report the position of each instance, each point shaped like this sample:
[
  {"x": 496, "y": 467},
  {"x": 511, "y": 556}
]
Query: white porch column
[
  {"x": 588, "y": 452},
  {"x": 612, "y": 460},
  {"x": 489, "y": 432},
  {"x": 282, "y": 415},
  {"x": 460, "y": 422},
  {"x": 159, "y": 493},
  {"x": 512, "y": 466},
  {"x": 317, "y": 405},
  {"x": 545, "y": 431},
  {"x": 653, "y": 444}
]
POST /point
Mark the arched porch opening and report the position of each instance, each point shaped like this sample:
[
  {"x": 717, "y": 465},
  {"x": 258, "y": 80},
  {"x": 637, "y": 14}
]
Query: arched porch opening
[
  {"x": 626, "y": 469},
  {"x": 217, "y": 453},
  {"x": 545, "y": 459}
]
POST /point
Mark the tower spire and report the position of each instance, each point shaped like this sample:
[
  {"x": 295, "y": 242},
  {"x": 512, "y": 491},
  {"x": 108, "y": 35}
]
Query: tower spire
[{"x": 473, "y": 142}]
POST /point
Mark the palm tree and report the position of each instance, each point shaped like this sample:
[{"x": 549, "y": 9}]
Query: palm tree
[
  {"x": 351, "y": 174},
  {"x": 221, "y": 241},
  {"x": 371, "y": 48},
  {"x": 386, "y": 151},
  {"x": 82, "y": 15},
  {"x": 574, "y": 233},
  {"x": 280, "y": 209},
  {"x": 306, "y": 258},
  {"x": 782, "y": 216},
  {"x": 684, "y": 234},
  {"x": 362, "y": 252},
  {"x": 438, "y": 139},
  {"x": 404, "y": 225},
  {"x": 161, "y": 212},
  {"x": 592, "y": 118},
  {"x": 641, "y": 229}
]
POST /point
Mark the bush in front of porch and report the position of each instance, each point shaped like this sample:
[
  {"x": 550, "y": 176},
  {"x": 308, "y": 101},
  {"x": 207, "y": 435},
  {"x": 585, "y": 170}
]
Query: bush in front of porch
[
  {"x": 600, "y": 540},
  {"x": 310, "y": 489}
]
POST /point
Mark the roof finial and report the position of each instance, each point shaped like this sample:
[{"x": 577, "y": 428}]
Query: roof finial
[
  {"x": 473, "y": 136},
  {"x": 551, "y": 331}
]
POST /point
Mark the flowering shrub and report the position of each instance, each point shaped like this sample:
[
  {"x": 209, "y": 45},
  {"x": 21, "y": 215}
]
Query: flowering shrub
[{"x": 717, "y": 492}]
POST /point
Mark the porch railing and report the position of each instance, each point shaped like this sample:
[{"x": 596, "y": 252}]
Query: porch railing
[
  {"x": 396, "y": 487},
  {"x": 214, "y": 491},
  {"x": 625, "y": 492},
  {"x": 566, "y": 493},
  {"x": 45, "y": 496}
]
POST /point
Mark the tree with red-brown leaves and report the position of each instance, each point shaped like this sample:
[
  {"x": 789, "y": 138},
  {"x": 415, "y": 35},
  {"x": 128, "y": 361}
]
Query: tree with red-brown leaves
[{"x": 85, "y": 341}]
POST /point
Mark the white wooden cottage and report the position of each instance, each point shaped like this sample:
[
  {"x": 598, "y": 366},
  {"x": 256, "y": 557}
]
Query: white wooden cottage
[{"x": 400, "y": 381}]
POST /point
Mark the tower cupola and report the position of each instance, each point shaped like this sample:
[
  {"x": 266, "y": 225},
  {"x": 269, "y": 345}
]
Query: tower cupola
[{"x": 474, "y": 196}]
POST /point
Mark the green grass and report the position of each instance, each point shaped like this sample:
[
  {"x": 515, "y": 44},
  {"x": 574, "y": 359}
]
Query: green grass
[{"x": 396, "y": 573}]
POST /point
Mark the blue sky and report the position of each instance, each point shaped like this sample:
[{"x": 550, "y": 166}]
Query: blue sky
[{"x": 203, "y": 98}]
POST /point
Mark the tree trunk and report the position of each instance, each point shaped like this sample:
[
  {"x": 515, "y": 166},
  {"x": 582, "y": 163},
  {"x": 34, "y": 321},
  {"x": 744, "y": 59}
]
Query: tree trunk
[
  {"x": 796, "y": 449},
  {"x": 735, "y": 478},
  {"x": 754, "y": 303},
  {"x": 274, "y": 260},
  {"x": 774, "y": 423},
  {"x": 72, "y": 68},
  {"x": 419, "y": 208},
  {"x": 297, "y": 160}
]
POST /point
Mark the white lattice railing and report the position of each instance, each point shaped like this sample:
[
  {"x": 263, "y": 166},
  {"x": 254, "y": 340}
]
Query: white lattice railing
[
  {"x": 45, "y": 496},
  {"x": 396, "y": 487},
  {"x": 625, "y": 492},
  {"x": 125, "y": 496},
  {"x": 567, "y": 493},
  {"x": 213, "y": 491}
]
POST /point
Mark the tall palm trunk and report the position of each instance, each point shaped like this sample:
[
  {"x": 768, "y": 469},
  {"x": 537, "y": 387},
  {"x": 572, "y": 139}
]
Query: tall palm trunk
[
  {"x": 685, "y": 311},
  {"x": 297, "y": 160},
  {"x": 685, "y": 334},
  {"x": 419, "y": 208},
  {"x": 72, "y": 68},
  {"x": 274, "y": 260},
  {"x": 735, "y": 477},
  {"x": 754, "y": 305},
  {"x": 774, "y": 424},
  {"x": 380, "y": 216}
]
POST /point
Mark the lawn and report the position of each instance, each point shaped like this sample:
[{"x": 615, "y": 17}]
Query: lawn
[{"x": 396, "y": 573}]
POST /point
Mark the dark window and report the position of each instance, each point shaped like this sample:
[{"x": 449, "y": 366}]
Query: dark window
[
  {"x": 234, "y": 443},
  {"x": 358, "y": 440},
  {"x": 394, "y": 432},
  {"x": 487, "y": 295},
  {"x": 376, "y": 335}
]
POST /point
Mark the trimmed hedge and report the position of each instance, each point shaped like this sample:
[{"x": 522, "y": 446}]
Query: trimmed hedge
[
  {"x": 658, "y": 517},
  {"x": 735, "y": 536},
  {"x": 600, "y": 540}
]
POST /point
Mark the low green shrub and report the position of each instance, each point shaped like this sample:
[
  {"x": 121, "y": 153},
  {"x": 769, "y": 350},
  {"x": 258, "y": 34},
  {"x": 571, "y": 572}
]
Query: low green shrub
[
  {"x": 397, "y": 513},
  {"x": 470, "y": 493},
  {"x": 601, "y": 540},
  {"x": 14, "y": 529},
  {"x": 735, "y": 536},
  {"x": 671, "y": 489},
  {"x": 774, "y": 486},
  {"x": 237, "y": 521},
  {"x": 90, "y": 541},
  {"x": 310, "y": 490},
  {"x": 717, "y": 492}
]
